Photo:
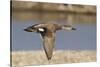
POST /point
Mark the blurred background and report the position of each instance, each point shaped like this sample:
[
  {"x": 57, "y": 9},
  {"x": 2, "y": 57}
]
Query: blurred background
[{"x": 82, "y": 17}]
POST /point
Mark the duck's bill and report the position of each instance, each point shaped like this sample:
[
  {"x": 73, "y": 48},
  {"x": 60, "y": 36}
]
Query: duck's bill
[
  {"x": 73, "y": 28},
  {"x": 29, "y": 30}
]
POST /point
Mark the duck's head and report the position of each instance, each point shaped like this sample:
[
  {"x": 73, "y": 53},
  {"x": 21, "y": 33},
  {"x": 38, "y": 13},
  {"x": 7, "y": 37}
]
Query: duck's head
[
  {"x": 68, "y": 27},
  {"x": 35, "y": 29}
]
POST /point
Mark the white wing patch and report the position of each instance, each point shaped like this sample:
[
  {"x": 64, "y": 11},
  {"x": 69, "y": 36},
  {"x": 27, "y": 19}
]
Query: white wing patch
[{"x": 41, "y": 29}]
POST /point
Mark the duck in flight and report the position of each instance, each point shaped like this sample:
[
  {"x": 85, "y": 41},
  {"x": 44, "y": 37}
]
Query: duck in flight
[{"x": 47, "y": 31}]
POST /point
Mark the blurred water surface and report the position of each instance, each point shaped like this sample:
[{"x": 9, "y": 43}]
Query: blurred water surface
[{"x": 84, "y": 38}]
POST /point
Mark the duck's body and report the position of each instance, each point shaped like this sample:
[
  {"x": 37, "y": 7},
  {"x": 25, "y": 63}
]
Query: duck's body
[{"x": 47, "y": 31}]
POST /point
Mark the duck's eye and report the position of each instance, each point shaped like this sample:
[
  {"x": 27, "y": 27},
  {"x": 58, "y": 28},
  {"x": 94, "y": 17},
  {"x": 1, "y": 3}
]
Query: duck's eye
[{"x": 41, "y": 29}]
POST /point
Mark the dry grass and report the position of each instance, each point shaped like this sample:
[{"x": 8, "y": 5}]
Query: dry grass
[{"x": 20, "y": 58}]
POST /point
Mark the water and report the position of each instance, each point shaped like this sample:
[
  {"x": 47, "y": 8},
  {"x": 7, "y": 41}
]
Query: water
[{"x": 84, "y": 38}]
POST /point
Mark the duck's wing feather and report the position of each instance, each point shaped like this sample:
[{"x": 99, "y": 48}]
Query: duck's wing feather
[{"x": 48, "y": 44}]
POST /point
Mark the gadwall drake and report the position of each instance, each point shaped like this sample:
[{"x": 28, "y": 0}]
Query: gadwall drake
[{"x": 47, "y": 31}]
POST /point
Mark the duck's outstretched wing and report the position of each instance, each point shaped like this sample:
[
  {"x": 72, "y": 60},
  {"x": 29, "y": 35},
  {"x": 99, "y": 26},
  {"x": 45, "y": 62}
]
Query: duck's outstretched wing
[{"x": 48, "y": 44}]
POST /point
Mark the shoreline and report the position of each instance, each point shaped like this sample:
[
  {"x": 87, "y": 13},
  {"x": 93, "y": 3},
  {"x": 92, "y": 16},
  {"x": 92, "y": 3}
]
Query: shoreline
[
  {"x": 52, "y": 7},
  {"x": 20, "y": 58}
]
